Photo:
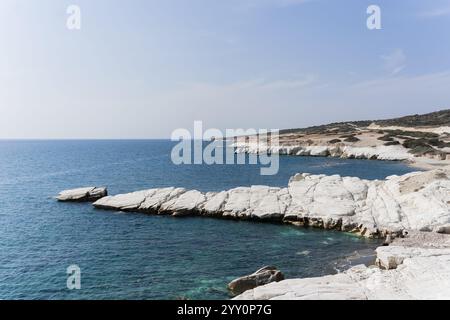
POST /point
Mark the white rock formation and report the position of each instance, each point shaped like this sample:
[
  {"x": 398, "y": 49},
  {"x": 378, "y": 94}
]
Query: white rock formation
[
  {"x": 379, "y": 152},
  {"x": 415, "y": 267},
  {"x": 415, "y": 201},
  {"x": 82, "y": 194},
  {"x": 418, "y": 267}
]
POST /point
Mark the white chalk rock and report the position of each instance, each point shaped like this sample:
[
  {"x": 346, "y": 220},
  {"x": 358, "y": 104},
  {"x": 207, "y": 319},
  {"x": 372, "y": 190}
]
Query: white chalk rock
[
  {"x": 381, "y": 152},
  {"x": 82, "y": 194},
  {"x": 415, "y": 201},
  {"x": 265, "y": 204},
  {"x": 126, "y": 202},
  {"x": 238, "y": 202},
  {"x": 214, "y": 203},
  {"x": 155, "y": 199},
  {"x": 184, "y": 204}
]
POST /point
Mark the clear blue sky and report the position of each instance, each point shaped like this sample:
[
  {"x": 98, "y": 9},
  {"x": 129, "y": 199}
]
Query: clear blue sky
[{"x": 140, "y": 68}]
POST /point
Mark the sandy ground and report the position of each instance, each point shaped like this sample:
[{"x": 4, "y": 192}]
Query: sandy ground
[{"x": 428, "y": 164}]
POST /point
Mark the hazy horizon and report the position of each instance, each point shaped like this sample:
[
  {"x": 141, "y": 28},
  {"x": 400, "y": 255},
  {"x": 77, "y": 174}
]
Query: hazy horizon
[{"x": 141, "y": 69}]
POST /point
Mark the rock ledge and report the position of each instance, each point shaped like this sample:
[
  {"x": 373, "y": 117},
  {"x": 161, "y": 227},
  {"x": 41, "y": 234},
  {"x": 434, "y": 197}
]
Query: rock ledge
[
  {"x": 87, "y": 194},
  {"x": 415, "y": 201}
]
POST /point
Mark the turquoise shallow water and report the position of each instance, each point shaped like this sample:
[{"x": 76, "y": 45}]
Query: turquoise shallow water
[{"x": 134, "y": 256}]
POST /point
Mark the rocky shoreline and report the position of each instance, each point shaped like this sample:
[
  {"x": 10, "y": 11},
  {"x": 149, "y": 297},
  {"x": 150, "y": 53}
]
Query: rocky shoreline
[
  {"x": 372, "y": 208},
  {"x": 422, "y": 141},
  {"x": 412, "y": 212},
  {"x": 416, "y": 266},
  {"x": 415, "y": 205},
  {"x": 391, "y": 153},
  {"x": 379, "y": 152}
]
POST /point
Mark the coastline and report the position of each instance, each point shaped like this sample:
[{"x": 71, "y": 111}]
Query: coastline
[
  {"x": 416, "y": 266},
  {"x": 411, "y": 209},
  {"x": 421, "y": 147},
  {"x": 386, "y": 153},
  {"x": 393, "y": 208},
  {"x": 371, "y": 208}
]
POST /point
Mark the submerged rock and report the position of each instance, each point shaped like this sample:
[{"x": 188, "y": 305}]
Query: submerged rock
[
  {"x": 88, "y": 194},
  {"x": 261, "y": 277}
]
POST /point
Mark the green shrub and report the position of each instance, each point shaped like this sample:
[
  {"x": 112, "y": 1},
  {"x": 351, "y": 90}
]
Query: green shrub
[
  {"x": 386, "y": 138},
  {"x": 392, "y": 143},
  {"x": 422, "y": 150},
  {"x": 438, "y": 143},
  {"x": 352, "y": 139},
  {"x": 413, "y": 143},
  {"x": 414, "y": 134}
]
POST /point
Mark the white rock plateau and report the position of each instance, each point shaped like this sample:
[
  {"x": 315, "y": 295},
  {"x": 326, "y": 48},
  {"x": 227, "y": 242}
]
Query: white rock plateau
[{"x": 415, "y": 201}]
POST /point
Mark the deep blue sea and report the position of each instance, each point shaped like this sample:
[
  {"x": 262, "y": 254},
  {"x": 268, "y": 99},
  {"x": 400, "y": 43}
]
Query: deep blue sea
[{"x": 136, "y": 256}]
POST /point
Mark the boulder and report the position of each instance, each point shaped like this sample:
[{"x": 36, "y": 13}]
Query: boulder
[
  {"x": 87, "y": 194},
  {"x": 261, "y": 277}
]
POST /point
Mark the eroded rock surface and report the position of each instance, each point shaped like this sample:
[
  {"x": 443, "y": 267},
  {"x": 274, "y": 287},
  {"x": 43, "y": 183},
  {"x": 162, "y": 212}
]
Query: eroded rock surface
[
  {"x": 380, "y": 152},
  {"x": 87, "y": 194},
  {"x": 415, "y": 201}
]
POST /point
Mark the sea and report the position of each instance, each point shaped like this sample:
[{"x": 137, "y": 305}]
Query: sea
[{"x": 137, "y": 256}]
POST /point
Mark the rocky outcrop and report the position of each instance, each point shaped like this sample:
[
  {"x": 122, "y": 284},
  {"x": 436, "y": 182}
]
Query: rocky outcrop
[
  {"x": 87, "y": 194},
  {"x": 415, "y": 201},
  {"x": 416, "y": 267},
  {"x": 381, "y": 152},
  {"x": 405, "y": 138},
  {"x": 261, "y": 277}
]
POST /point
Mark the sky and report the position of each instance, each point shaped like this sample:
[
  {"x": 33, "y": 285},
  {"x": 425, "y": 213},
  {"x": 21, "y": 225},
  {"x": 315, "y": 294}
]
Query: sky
[{"x": 143, "y": 68}]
